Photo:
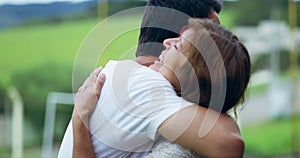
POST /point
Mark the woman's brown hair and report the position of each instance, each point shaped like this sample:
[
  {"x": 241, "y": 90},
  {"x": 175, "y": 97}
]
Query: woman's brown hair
[{"x": 221, "y": 64}]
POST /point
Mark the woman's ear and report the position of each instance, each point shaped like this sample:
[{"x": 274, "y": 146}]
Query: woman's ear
[{"x": 213, "y": 15}]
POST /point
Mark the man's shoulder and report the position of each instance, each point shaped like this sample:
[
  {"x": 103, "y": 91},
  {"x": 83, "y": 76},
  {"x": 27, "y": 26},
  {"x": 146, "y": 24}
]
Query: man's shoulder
[{"x": 131, "y": 69}]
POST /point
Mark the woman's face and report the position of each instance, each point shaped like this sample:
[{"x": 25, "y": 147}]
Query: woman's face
[
  {"x": 175, "y": 53},
  {"x": 173, "y": 57}
]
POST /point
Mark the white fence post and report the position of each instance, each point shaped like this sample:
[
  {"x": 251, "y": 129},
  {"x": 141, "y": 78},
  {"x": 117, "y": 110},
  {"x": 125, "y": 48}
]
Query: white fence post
[
  {"x": 53, "y": 99},
  {"x": 17, "y": 122}
]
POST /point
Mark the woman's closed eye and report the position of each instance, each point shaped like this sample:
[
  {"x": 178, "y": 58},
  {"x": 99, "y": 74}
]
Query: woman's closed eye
[{"x": 175, "y": 47}]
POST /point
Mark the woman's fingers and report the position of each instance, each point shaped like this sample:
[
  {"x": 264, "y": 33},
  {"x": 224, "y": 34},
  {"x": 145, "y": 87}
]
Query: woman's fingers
[
  {"x": 99, "y": 84},
  {"x": 90, "y": 81},
  {"x": 94, "y": 82},
  {"x": 97, "y": 72}
]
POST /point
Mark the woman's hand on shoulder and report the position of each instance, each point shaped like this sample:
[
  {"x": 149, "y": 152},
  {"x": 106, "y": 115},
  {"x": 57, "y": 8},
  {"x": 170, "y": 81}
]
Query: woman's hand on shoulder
[{"x": 88, "y": 95}]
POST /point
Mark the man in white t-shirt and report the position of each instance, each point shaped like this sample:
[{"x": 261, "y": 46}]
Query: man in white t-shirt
[{"x": 129, "y": 112}]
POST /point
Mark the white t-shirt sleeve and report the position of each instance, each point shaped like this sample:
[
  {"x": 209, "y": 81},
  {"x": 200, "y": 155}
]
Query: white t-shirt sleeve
[
  {"x": 66, "y": 147},
  {"x": 161, "y": 103},
  {"x": 147, "y": 98}
]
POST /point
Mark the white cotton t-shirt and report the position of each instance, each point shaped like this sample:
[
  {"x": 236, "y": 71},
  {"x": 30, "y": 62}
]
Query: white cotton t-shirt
[{"x": 134, "y": 102}]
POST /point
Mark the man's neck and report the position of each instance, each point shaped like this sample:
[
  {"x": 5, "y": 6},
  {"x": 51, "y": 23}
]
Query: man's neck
[{"x": 146, "y": 60}]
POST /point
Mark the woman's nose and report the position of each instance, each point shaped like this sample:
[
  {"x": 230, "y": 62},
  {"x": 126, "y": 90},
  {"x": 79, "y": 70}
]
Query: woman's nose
[{"x": 168, "y": 42}]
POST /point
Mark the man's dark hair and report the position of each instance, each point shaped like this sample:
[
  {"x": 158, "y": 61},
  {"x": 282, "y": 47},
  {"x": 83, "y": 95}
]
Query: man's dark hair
[{"x": 160, "y": 22}]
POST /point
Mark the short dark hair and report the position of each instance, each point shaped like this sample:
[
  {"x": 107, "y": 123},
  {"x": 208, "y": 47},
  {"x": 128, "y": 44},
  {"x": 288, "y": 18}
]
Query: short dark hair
[{"x": 157, "y": 21}]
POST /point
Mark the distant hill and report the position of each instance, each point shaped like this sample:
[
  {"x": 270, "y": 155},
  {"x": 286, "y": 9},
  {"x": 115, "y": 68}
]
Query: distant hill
[{"x": 11, "y": 15}]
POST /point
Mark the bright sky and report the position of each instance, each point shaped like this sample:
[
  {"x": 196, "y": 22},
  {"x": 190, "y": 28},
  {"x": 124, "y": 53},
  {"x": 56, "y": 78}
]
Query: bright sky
[{"x": 35, "y": 1}]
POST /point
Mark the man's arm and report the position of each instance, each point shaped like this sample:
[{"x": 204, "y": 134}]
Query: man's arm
[
  {"x": 85, "y": 103},
  {"x": 222, "y": 140}
]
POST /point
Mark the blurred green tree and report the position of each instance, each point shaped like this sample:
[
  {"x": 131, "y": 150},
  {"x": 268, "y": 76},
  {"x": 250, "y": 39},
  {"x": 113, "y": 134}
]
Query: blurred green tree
[
  {"x": 251, "y": 12},
  {"x": 2, "y": 101},
  {"x": 35, "y": 84}
]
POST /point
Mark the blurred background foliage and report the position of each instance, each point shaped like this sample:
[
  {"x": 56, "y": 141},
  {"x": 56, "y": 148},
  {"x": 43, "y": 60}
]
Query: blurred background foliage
[
  {"x": 37, "y": 57},
  {"x": 34, "y": 84},
  {"x": 262, "y": 61},
  {"x": 252, "y": 12}
]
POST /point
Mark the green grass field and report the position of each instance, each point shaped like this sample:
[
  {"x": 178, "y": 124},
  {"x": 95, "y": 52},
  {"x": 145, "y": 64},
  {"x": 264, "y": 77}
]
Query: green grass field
[
  {"x": 24, "y": 47},
  {"x": 30, "y": 46},
  {"x": 270, "y": 138}
]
